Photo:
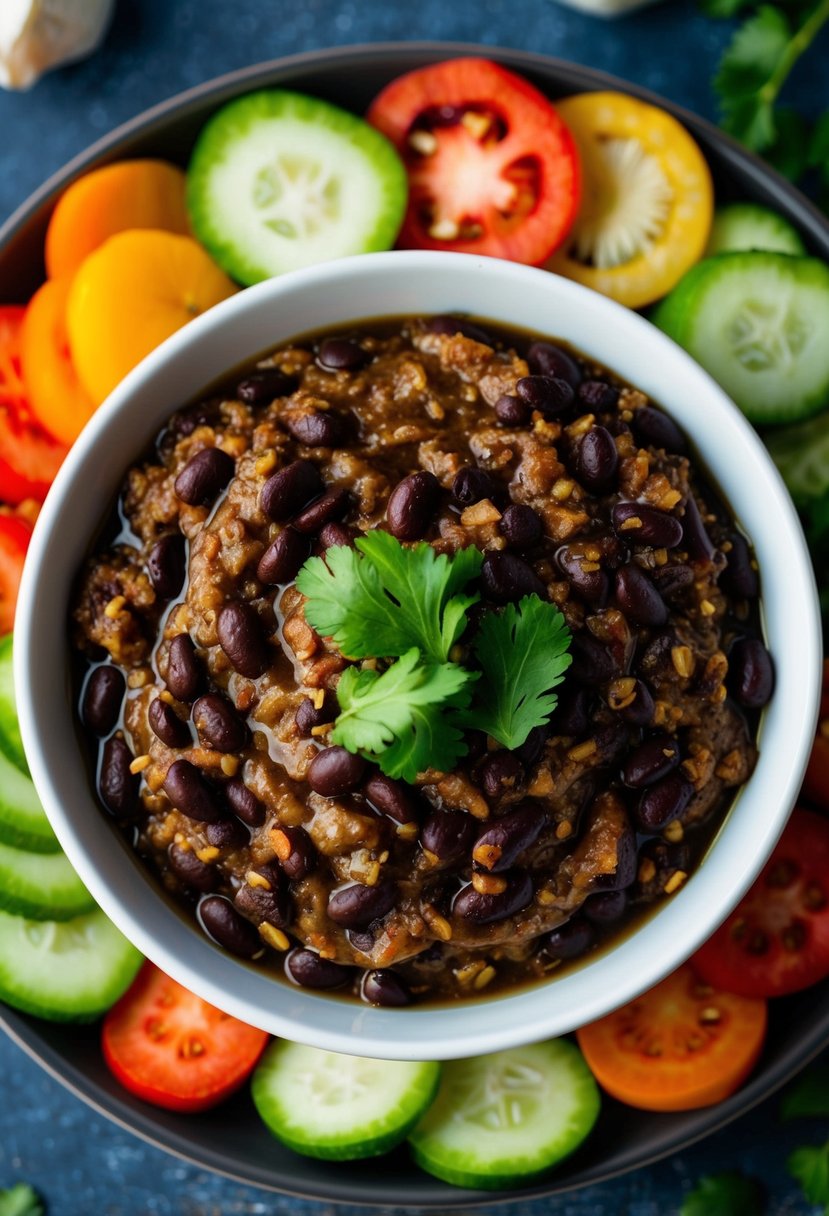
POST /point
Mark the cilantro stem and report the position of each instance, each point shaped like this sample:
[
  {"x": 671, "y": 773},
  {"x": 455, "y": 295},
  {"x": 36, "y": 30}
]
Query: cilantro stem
[{"x": 798, "y": 44}]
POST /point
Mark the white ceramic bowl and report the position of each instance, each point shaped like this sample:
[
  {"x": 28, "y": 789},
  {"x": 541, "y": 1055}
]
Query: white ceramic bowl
[{"x": 329, "y": 295}]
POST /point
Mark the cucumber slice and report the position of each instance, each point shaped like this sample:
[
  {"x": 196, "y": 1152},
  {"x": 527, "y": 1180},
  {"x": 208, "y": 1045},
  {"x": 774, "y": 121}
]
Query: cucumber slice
[
  {"x": 801, "y": 453},
  {"x": 41, "y": 887},
  {"x": 23, "y": 822},
  {"x": 750, "y": 226},
  {"x": 10, "y": 742},
  {"x": 337, "y": 1107},
  {"x": 279, "y": 180},
  {"x": 758, "y": 323},
  {"x": 71, "y": 971},
  {"x": 501, "y": 1119}
]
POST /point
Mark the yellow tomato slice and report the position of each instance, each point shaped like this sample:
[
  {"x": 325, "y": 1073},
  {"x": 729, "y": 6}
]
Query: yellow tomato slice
[
  {"x": 131, "y": 294},
  {"x": 647, "y": 199}
]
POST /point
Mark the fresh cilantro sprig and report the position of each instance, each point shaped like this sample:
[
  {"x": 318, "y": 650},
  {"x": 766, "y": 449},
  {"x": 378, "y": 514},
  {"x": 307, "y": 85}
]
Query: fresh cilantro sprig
[
  {"x": 810, "y": 1167},
  {"x": 726, "y": 1194},
  {"x": 20, "y": 1200},
  {"x": 403, "y": 717},
  {"x": 522, "y": 653},
  {"x": 382, "y": 599}
]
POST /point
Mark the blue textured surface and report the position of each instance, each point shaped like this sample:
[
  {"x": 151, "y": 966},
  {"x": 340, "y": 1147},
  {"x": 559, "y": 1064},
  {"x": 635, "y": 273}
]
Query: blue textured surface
[{"x": 81, "y": 1164}]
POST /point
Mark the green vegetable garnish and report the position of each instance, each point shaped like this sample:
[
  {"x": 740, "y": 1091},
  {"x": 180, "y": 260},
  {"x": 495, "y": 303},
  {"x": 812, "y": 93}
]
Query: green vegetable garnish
[
  {"x": 810, "y": 1166},
  {"x": 381, "y": 604},
  {"x": 20, "y": 1200},
  {"x": 808, "y": 1098},
  {"x": 402, "y": 717},
  {"x": 726, "y": 1194},
  {"x": 523, "y": 655}
]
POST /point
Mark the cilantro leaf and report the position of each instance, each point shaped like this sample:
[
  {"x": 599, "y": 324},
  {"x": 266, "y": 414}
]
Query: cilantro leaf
[
  {"x": 809, "y": 1097},
  {"x": 726, "y": 1194},
  {"x": 745, "y": 80},
  {"x": 383, "y": 599},
  {"x": 20, "y": 1200},
  {"x": 401, "y": 718},
  {"x": 810, "y": 1166},
  {"x": 522, "y": 652},
  {"x": 723, "y": 8}
]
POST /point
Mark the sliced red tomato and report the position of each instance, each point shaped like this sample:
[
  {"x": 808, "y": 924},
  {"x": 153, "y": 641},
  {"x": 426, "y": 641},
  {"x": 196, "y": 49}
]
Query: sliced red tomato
[
  {"x": 29, "y": 458},
  {"x": 492, "y": 168},
  {"x": 11, "y": 380},
  {"x": 15, "y": 535},
  {"x": 680, "y": 1046},
  {"x": 776, "y": 940},
  {"x": 175, "y": 1050},
  {"x": 816, "y": 779}
]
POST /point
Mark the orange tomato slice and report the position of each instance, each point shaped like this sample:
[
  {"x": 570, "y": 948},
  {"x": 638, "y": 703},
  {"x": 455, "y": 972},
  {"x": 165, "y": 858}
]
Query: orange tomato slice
[
  {"x": 128, "y": 194},
  {"x": 56, "y": 397},
  {"x": 131, "y": 294},
  {"x": 678, "y": 1047}
]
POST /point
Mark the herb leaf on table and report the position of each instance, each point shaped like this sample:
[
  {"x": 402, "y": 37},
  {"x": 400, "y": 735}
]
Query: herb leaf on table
[
  {"x": 20, "y": 1200},
  {"x": 726, "y": 1194},
  {"x": 810, "y": 1166},
  {"x": 808, "y": 1098}
]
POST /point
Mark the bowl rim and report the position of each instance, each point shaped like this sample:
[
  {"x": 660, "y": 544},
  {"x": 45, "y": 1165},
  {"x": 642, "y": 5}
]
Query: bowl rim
[{"x": 450, "y": 1032}]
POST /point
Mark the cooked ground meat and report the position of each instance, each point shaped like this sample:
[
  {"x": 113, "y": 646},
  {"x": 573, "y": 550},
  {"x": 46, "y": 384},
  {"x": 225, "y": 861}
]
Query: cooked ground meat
[{"x": 564, "y": 477}]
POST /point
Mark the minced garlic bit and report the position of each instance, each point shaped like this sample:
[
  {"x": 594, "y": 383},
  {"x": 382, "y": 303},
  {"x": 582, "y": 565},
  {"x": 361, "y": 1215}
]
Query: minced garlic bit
[
  {"x": 675, "y": 882},
  {"x": 208, "y": 853},
  {"x": 115, "y": 607},
  {"x": 483, "y": 978},
  {"x": 257, "y": 881},
  {"x": 274, "y": 937},
  {"x": 582, "y": 751},
  {"x": 229, "y": 765},
  {"x": 683, "y": 660},
  {"x": 139, "y": 764}
]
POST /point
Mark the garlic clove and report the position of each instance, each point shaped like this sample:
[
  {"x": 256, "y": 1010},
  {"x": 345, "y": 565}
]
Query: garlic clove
[{"x": 36, "y": 35}]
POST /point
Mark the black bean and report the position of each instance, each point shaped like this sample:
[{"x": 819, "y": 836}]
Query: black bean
[
  {"x": 187, "y": 867},
  {"x": 482, "y": 909},
  {"x": 651, "y": 761},
  {"x": 507, "y": 578},
  {"x": 471, "y": 485},
  {"x": 264, "y": 386},
  {"x": 384, "y": 988},
  {"x": 654, "y": 429},
  {"x": 316, "y": 429},
  {"x": 204, "y": 477},
  {"x": 282, "y": 559},
  {"x": 458, "y": 325},
  {"x": 548, "y": 360},
  {"x": 597, "y": 460},
  {"x": 186, "y": 421},
  {"x": 550, "y": 396},
  {"x": 739, "y": 578},
  {"x": 341, "y": 354},
  {"x": 218, "y": 724},
  {"x": 512, "y": 411},
  {"x": 335, "y": 533},
  {"x": 590, "y": 585},
  {"x": 664, "y": 801},
  {"x": 672, "y": 581},
  {"x": 694, "y": 536},
  {"x": 334, "y": 504},
  {"x": 290, "y": 489},
  {"x": 308, "y": 716},
  {"x": 309, "y": 970},
  {"x": 598, "y": 395},
  {"x": 475, "y": 745},
  {"x": 503, "y": 840},
  {"x": 362, "y": 940},
  {"x": 227, "y": 834},
  {"x": 640, "y": 524},
  {"x": 500, "y": 774},
  {"x": 241, "y": 637},
  {"x": 244, "y": 803},
  {"x": 531, "y": 749},
  {"x": 641, "y": 709},
  {"x": 612, "y": 742},
  {"x": 357, "y": 905},
  {"x": 190, "y": 793},
  {"x": 448, "y": 834},
  {"x": 272, "y": 904},
  {"x": 118, "y": 787},
  {"x": 412, "y": 504},
  {"x": 637, "y": 597},
  {"x": 750, "y": 673},
  {"x": 655, "y": 660},
  {"x": 167, "y": 725},
  {"x": 222, "y": 922},
  {"x": 521, "y": 526},
  {"x": 593, "y": 663},
  {"x": 167, "y": 564},
  {"x": 335, "y": 771},
  {"x": 569, "y": 940},
  {"x": 295, "y": 850},
  {"x": 607, "y": 908},
  {"x": 102, "y": 699},
  {"x": 392, "y": 798},
  {"x": 571, "y": 716},
  {"x": 185, "y": 675}
]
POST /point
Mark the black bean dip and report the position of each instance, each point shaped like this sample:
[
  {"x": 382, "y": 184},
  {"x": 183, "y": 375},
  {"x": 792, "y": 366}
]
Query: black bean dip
[{"x": 208, "y": 698}]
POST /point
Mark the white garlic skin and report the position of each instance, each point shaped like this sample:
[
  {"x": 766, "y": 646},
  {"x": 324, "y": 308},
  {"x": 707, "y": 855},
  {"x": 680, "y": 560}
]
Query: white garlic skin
[{"x": 36, "y": 35}]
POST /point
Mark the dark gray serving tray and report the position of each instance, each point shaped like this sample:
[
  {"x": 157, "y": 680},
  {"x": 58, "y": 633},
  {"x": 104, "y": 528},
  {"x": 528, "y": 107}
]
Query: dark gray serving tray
[{"x": 231, "y": 1139}]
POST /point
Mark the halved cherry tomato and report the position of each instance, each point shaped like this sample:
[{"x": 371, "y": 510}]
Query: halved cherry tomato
[
  {"x": 492, "y": 168},
  {"x": 15, "y": 535},
  {"x": 647, "y": 199},
  {"x": 776, "y": 940},
  {"x": 171, "y": 1048},
  {"x": 678, "y": 1047},
  {"x": 128, "y": 194},
  {"x": 58, "y": 400}
]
